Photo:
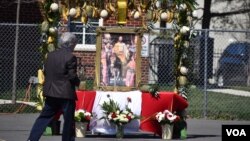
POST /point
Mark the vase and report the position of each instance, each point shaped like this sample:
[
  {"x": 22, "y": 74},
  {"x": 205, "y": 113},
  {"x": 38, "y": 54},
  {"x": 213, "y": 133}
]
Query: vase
[
  {"x": 119, "y": 131},
  {"x": 80, "y": 129},
  {"x": 167, "y": 131}
]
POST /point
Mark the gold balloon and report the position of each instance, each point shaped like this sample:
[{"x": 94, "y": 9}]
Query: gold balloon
[
  {"x": 170, "y": 16},
  {"x": 89, "y": 10},
  {"x": 175, "y": 90},
  {"x": 149, "y": 15},
  {"x": 122, "y": 11},
  {"x": 51, "y": 47},
  {"x": 182, "y": 80},
  {"x": 45, "y": 26}
]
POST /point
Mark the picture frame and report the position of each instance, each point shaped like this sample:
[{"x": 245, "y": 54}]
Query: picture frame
[{"x": 118, "y": 58}]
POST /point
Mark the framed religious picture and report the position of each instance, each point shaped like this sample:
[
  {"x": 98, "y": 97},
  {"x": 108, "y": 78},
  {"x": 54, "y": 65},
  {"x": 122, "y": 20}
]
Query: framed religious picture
[{"x": 118, "y": 58}]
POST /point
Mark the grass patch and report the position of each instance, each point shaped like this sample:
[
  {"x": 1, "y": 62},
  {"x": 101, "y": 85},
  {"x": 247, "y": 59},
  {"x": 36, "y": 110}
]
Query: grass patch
[
  {"x": 219, "y": 105},
  {"x": 17, "y": 108},
  {"x": 20, "y": 94}
]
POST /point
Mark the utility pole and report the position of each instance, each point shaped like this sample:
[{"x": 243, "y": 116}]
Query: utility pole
[{"x": 15, "y": 54}]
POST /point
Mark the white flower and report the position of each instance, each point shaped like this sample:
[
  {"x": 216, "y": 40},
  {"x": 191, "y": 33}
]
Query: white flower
[
  {"x": 165, "y": 116},
  {"x": 123, "y": 118},
  {"x": 125, "y": 112},
  {"x": 131, "y": 115},
  {"x": 87, "y": 114},
  {"x": 160, "y": 116},
  {"x": 117, "y": 115},
  {"x": 81, "y": 111},
  {"x": 166, "y": 112},
  {"x": 117, "y": 112},
  {"x": 82, "y": 115},
  {"x": 171, "y": 117}
]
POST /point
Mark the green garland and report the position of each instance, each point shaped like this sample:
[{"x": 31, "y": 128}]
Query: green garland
[{"x": 179, "y": 14}]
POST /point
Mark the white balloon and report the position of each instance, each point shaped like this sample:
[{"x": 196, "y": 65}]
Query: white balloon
[
  {"x": 54, "y": 7},
  {"x": 184, "y": 70},
  {"x": 184, "y": 29},
  {"x": 136, "y": 15},
  {"x": 183, "y": 6},
  {"x": 72, "y": 12},
  {"x": 164, "y": 16},
  {"x": 195, "y": 14},
  {"x": 158, "y": 4},
  {"x": 52, "y": 30},
  {"x": 104, "y": 13}
]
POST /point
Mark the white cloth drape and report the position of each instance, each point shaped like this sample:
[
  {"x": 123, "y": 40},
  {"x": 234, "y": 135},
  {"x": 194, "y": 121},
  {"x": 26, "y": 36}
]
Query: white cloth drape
[{"x": 103, "y": 126}]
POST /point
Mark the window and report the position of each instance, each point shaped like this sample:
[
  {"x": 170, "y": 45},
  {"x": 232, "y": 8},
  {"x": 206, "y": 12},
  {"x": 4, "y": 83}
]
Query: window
[{"x": 86, "y": 34}]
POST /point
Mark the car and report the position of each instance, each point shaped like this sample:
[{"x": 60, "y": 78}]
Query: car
[{"x": 233, "y": 65}]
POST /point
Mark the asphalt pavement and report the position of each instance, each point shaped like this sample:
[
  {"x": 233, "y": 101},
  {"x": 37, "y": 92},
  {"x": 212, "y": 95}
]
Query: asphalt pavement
[{"x": 16, "y": 127}]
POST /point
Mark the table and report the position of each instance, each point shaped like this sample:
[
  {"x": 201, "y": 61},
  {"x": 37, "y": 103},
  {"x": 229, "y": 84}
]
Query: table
[{"x": 149, "y": 106}]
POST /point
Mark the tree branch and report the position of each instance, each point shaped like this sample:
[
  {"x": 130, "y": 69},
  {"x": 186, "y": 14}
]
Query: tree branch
[{"x": 230, "y": 13}]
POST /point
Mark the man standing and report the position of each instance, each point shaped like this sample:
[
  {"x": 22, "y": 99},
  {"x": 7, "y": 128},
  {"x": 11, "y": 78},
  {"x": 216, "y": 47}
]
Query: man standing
[{"x": 60, "y": 70}]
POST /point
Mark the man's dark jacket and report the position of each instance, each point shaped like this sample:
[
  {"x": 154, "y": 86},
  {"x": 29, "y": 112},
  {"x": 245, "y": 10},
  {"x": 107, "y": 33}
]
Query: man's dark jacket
[{"x": 60, "y": 69}]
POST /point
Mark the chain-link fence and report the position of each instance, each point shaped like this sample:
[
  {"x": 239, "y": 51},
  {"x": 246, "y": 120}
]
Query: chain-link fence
[
  {"x": 19, "y": 60},
  {"x": 222, "y": 63},
  {"x": 219, "y": 65},
  {"x": 218, "y": 72}
]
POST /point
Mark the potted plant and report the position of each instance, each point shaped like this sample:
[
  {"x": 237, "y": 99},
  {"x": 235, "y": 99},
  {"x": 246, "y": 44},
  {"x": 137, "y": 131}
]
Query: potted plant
[
  {"x": 167, "y": 120},
  {"x": 82, "y": 118},
  {"x": 118, "y": 116}
]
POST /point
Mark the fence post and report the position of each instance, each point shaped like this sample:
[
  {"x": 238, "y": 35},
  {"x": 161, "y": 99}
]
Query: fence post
[
  {"x": 205, "y": 73},
  {"x": 15, "y": 55}
]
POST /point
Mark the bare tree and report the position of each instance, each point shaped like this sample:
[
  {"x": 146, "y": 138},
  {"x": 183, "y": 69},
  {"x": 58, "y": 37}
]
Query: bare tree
[{"x": 226, "y": 15}]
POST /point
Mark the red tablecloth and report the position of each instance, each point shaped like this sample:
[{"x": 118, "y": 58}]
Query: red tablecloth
[
  {"x": 85, "y": 100},
  {"x": 150, "y": 106}
]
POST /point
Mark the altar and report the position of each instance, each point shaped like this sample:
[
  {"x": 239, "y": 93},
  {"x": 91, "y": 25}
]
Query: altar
[{"x": 142, "y": 104}]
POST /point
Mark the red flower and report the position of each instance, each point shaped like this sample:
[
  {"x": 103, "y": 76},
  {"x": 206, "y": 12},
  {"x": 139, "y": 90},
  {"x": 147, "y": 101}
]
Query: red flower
[
  {"x": 129, "y": 117},
  {"x": 88, "y": 118},
  {"x": 113, "y": 115},
  {"x": 168, "y": 116},
  {"x": 177, "y": 119},
  {"x": 129, "y": 99}
]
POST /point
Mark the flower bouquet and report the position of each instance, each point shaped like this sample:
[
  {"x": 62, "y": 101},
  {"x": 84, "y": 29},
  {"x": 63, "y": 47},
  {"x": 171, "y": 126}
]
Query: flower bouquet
[
  {"x": 167, "y": 119},
  {"x": 118, "y": 116},
  {"x": 82, "y": 116},
  {"x": 82, "y": 119}
]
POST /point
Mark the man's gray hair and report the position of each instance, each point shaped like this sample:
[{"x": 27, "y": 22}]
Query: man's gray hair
[{"x": 67, "y": 40}]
